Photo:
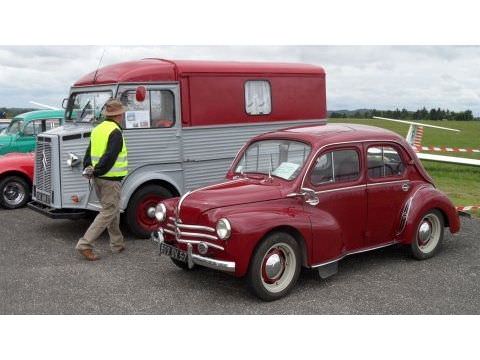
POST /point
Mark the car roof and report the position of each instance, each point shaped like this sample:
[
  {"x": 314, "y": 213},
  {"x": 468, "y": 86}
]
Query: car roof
[
  {"x": 152, "y": 69},
  {"x": 324, "y": 134},
  {"x": 41, "y": 114}
]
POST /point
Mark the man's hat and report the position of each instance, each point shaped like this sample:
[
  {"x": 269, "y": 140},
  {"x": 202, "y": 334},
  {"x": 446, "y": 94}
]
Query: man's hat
[{"x": 113, "y": 108}]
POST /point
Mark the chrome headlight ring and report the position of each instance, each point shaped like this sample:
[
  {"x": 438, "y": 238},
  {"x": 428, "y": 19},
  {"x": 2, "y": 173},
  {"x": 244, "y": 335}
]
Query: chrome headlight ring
[
  {"x": 160, "y": 212},
  {"x": 223, "y": 229}
]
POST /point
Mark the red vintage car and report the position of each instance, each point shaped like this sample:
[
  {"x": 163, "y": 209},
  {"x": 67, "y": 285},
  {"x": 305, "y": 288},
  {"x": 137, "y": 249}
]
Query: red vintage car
[
  {"x": 16, "y": 178},
  {"x": 307, "y": 196}
]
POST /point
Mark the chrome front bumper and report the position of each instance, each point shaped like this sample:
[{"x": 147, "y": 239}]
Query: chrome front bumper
[{"x": 194, "y": 259}]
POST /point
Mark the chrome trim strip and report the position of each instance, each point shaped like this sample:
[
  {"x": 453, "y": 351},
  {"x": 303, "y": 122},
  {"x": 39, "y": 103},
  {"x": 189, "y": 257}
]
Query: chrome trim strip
[
  {"x": 198, "y": 235},
  {"x": 196, "y": 242},
  {"x": 388, "y": 182},
  {"x": 340, "y": 189},
  {"x": 180, "y": 202},
  {"x": 353, "y": 252},
  {"x": 195, "y": 227}
]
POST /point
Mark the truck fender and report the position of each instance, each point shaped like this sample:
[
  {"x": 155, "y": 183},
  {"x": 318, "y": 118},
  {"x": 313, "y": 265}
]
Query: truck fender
[
  {"x": 136, "y": 179},
  {"x": 424, "y": 200}
]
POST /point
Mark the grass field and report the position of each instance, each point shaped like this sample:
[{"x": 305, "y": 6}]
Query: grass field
[{"x": 460, "y": 182}]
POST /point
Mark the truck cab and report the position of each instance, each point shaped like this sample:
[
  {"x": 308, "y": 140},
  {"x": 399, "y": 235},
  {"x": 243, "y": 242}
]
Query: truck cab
[
  {"x": 20, "y": 135},
  {"x": 185, "y": 122}
]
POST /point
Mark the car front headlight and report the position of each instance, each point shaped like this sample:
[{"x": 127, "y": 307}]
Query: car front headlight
[
  {"x": 160, "y": 212},
  {"x": 224, "y": 229}
]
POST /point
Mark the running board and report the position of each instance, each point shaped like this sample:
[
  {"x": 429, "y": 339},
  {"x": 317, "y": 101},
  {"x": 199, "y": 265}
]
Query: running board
[{"x": 328, "y": 270}]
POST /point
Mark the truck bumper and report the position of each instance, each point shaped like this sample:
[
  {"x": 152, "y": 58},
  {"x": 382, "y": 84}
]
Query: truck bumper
[
  {"x": 194, "y": 259},
  {"x": 56, "y": 213}
]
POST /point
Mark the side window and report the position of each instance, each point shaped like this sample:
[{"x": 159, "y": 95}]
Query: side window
[
  {"x": 258, "y": 98},
  {"x": 51, "y": 124},
  {"x": 157, "y": 110},
  {"x": 336, "y": 166},
  {"x": 384, "y": 161},
  {"x": 33, "y": 128}
]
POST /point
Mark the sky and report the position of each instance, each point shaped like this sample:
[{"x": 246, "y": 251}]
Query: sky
[{"x": 381, "y": 77}]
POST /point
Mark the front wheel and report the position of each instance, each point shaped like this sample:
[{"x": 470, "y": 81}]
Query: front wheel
[
  {"x": 429, "y": 235},
  {"x": 14, "y": 192},
  {"x": 275, "y": 267},
  {"x": 138, "y": 218}
]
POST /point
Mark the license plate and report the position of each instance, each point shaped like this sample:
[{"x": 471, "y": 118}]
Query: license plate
[{"x": 173, "y": 252}]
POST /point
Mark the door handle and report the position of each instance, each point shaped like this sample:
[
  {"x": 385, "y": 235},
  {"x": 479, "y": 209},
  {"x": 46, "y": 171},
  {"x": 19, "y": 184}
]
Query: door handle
[{"x": 405, "y": 186}]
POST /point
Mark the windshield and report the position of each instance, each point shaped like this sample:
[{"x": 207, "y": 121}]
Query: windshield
[
  {"x": 280, "y": 158},
  {"x": 14, "y": 127},
  {"x": 87, "y": 106}
]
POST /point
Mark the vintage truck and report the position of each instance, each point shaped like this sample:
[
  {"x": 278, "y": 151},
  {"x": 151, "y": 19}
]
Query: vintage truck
[
  {"x": 186, "y": 121},
  {"x": 306, "y": 196},
  {"x": 21, "y": 133}
]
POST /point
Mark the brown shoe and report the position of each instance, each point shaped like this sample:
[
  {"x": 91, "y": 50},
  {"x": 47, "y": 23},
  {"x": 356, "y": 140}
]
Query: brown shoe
[
  {"x": 119, "y": 250},
  {"x": 89, "y": 255}
]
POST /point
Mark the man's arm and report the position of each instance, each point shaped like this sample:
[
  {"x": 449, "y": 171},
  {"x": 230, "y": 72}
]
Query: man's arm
[
  {"x": 114, "y": 146},
  {"x": 87, "y": 160}
]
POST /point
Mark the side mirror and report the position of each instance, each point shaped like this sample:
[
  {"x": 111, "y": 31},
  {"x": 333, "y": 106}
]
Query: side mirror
[
  {"x": 140, "y": 93},
  {"x": 65, "y": 103},
  {"x": 310, "y": 196}
]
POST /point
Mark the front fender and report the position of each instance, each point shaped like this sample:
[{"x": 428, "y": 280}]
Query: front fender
[
  {"x": 140, "y": 176},
  {"x": 424, "y": 200},
  {"x": 250, "y": 226}
]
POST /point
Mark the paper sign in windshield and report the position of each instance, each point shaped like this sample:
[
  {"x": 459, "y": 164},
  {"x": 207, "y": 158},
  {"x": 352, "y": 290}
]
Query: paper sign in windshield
[
  {"x": 137, "y": 119},
  {"x": 286, "y": 170}
]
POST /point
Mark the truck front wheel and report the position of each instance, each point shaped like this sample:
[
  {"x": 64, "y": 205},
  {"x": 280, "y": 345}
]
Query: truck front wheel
[{"x": 136, "y": 216}]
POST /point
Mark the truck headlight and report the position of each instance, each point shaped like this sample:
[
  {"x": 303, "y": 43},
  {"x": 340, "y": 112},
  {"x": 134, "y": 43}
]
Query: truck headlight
[
  {"x": 160, "y": 212},
  {"x": 224, "y": 229},
  {"x": 72, "y": 160}
]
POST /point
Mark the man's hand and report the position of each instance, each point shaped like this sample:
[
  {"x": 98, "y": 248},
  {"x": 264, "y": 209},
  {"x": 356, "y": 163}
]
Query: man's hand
[{"x": 88, "y": 172}]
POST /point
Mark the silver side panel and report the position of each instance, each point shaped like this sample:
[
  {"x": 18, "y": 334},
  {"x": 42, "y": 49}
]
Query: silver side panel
[
  {"x": 209, "y": 151},
  {"x": 152, "y": 145}
]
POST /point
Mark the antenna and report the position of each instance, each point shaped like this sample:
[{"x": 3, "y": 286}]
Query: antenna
[{"x": 98, "y": 67}]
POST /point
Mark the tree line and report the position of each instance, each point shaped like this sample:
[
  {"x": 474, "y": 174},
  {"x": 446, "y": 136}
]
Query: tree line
[
  {"x": 8, "y": 113},
  {"x": 404, "y": 114}
]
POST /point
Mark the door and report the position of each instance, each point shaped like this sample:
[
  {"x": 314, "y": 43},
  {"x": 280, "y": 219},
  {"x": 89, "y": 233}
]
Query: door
[
  {"x": 26, "y": 140},
  {"x": 388, "y": 188},
  {"x": 339, "y": 218}
]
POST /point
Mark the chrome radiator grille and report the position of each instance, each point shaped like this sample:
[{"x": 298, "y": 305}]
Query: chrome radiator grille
[
  {"x": 191, "y": 234},
  {"x": 43, "y": 170}
]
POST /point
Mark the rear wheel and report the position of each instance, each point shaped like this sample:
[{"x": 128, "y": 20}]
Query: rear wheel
[
  {"x": 275, "y": 267},
  {"x": 14, "y": 192},
  {"x": 138, "y": 218},
  {"x": 429, "y": 235}
]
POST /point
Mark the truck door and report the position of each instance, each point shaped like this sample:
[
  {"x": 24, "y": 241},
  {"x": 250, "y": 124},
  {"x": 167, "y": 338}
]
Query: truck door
[
  {"x": 339, "y": 218},
  {"x": 388, "y": 189}
]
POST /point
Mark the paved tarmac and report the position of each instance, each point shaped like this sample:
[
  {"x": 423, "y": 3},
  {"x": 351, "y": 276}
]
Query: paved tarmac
[{"x": 41, "y": 273}]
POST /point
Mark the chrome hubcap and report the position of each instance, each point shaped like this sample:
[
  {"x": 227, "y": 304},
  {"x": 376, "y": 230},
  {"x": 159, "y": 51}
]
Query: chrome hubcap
[
  {"x": 13, "y": 193},
  {"x": 151, "y": 212},
  {"x": 424, "y": 232},
  {"x": 273, "y": 266}
]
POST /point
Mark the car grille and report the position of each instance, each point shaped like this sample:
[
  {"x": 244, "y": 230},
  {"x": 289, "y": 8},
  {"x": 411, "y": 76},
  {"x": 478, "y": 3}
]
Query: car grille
[
  {"x": 43, "y": 170},
  {"x": 191, "y": 234}
]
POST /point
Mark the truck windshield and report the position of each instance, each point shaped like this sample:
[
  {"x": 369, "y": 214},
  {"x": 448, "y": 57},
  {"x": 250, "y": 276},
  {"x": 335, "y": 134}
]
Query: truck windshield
[
  {"x": 280, "y": 158},
  {"x": 14, "y": 127},
  {"x": 87, "y": 106}
]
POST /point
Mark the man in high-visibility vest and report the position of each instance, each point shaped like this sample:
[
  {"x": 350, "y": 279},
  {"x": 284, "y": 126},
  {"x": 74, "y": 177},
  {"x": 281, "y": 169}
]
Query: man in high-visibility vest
[{"x": 106, "y": 163}]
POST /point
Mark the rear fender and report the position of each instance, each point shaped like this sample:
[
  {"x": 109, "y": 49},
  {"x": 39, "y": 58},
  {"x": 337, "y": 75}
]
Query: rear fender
[{"x": 424, "y": 200}]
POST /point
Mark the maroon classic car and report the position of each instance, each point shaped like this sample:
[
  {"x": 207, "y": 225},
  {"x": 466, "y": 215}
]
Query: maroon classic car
[{"x": 307, "y": 196}]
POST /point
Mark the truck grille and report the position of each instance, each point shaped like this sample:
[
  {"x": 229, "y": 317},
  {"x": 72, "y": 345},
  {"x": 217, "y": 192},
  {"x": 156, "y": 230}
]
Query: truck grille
[
  {"x": 43, "y": 170},
  {"x": 191, "y": 234}
]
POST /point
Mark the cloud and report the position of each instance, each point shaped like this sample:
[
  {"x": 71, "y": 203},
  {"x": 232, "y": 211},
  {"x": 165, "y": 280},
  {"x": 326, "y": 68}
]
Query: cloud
[{"x": 382, "y": 77}]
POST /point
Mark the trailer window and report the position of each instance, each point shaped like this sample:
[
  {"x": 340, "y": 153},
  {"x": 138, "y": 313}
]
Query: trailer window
[
  {"x": 258, "y": 99},
  {"x": 157, "y": 110}
]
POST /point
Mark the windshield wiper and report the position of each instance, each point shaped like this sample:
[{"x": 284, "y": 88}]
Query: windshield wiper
[{"x": 84, "y": 110}]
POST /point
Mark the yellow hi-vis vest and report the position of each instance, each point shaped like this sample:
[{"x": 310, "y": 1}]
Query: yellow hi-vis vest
[{"x": 99, "y": 141}]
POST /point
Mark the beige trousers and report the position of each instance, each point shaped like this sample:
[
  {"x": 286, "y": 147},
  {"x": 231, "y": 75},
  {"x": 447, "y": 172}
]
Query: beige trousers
[{"x": 108, "y": 193}]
